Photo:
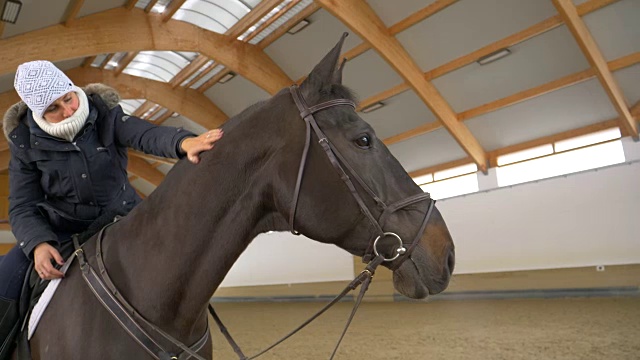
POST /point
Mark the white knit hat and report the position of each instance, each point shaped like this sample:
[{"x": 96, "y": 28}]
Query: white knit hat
[{"x": 39, "y": 83}]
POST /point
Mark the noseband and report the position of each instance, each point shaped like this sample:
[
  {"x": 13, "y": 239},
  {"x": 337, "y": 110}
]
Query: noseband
[{"x": 403, "y": 251}]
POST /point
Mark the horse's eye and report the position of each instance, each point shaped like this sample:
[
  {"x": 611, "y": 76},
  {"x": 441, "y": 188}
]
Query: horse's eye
[{"x": 363, "y": 141}]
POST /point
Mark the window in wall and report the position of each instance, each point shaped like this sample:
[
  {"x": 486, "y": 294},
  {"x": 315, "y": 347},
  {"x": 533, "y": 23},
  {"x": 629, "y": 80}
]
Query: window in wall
[
  {"x": 563, "y": 157},
  {"x": 450, "y": 182}
]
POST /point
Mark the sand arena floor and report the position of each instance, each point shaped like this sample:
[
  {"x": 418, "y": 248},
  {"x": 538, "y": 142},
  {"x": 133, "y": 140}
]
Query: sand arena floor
[{"x": 558, "y": 329}]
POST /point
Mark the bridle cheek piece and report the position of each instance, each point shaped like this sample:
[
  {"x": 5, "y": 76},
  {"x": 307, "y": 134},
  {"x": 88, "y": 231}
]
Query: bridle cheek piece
[{"x": 402, "y": 251}]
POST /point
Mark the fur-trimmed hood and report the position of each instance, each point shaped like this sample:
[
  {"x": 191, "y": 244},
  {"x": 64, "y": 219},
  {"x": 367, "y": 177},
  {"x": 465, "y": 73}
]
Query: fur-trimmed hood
[{"x": 12, "y": 117}]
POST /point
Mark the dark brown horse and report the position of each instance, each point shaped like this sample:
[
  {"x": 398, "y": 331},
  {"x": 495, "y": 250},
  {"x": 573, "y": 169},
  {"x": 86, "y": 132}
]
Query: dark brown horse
[{"x": 168, "y": 256}]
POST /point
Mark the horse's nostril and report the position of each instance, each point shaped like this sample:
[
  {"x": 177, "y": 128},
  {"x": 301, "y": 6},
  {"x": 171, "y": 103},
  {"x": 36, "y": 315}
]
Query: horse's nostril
[{"x": 451, "y": 261}]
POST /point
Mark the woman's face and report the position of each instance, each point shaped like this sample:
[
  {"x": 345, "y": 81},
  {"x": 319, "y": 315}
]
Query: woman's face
[{"x": 62, "y": 108}]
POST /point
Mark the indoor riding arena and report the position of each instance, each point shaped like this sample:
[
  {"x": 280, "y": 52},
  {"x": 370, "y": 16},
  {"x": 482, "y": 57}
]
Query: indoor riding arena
[{"x": 514, "y": 236}]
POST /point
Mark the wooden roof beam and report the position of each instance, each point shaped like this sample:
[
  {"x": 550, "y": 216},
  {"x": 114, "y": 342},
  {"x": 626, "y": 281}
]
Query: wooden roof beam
[
  {"x": 142, "y": 109},
  {"x": 150, "y": 6},
  {"x": 277, "y": 33},
  {"x": 404, "y": 24},
  {"x": 188, "y": 70},
  {"x": 105, "y": 62},
  {"x": 140, "y": 168},
  {"x": 151, "y": 34},
  {"x": 130, "y": 4},
  {"x": 524, "y": 95},
  {"x": 271, "y": 20},
  {"x": 202, "y": 74},
  {"x": 511, "y": 40},
  {"x": 125, "y": 61},
  {"x": 363, "y": 20},
  {"x": 185, "y": 101},
  {"x": 214, "y": 80},
  {"x": 88, "y": 61},
  {"x": 171, "y": 9},
  {"x": 587, "y": 44},
  {"x": 72, "y": 11},
  {"x": 257, "y": 13}
]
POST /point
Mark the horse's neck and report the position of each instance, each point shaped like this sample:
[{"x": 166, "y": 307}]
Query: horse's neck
[{"x": 174, "y": 249}]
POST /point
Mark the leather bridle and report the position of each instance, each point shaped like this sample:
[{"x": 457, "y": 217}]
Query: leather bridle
[
  {"x": 339, "y": 163},
  {"x": 372, "y": 255}
]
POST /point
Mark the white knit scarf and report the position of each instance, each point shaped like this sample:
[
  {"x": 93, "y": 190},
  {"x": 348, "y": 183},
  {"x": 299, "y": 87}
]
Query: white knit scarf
[{"x": 69, "y": 127}]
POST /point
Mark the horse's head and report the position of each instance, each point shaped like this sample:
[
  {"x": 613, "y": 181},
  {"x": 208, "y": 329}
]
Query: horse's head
[{"x": 326, "y": 208}]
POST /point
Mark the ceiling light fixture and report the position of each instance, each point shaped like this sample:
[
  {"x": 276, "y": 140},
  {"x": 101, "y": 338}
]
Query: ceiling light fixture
[
  {"x": 497, "y": 55},
  {"x": 227, "y": 77},
  {"x": 299, "y": 26},
  {"x": 11, "y": 10},
  {"x": 372, "y": 107},
  {"x": 159, "y": 8}
]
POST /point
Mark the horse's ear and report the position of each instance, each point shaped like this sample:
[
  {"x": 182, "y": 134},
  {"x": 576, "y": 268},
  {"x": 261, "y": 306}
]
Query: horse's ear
[
  {"x": 327, "y": 71},
  {"x": 337, "y": 74}
]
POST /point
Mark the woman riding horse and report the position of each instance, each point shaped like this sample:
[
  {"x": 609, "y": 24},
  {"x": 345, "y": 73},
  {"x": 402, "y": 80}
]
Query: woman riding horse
[
  {"x": 336, "y": 183},
  {"x": 68, "y": 167}
]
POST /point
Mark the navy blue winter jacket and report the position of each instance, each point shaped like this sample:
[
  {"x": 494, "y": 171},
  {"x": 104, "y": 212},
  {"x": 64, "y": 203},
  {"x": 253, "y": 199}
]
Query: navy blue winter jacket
[{"x": 57, "y": 187}]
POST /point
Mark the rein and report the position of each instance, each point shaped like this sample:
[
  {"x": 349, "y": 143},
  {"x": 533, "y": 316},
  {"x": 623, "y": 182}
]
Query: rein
[
  {"x": 372, "y": 256},
  {"x": 125, "y": 314}
]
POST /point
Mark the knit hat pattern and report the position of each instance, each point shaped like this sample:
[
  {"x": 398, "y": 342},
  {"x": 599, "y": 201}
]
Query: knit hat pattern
[{"x": 39, "y": 83}]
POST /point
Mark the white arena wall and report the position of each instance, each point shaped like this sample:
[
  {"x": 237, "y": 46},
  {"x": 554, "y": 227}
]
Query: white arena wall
[{"x": 583, "y": 219}]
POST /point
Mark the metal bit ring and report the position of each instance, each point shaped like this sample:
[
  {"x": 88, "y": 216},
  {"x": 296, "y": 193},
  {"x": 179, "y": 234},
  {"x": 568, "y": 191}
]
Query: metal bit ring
[{"x": 399, "y": 251}]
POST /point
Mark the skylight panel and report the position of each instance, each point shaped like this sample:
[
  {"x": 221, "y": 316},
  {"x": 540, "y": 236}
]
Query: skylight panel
[
  {"x": 572, "y": 161},
  {"x": 213, "y": 15},
  {"x": 208, "y": 77},
  {"x": 455, "y": 171},
  {"x": 588, "y": 139},
  {"x": 157, "y": 65},
  {"x": 280, "y": 21},
  {"x": 460, "y": 185},
  {"x": 130, "y": 105},
  {"x": 527, "y": 154}
]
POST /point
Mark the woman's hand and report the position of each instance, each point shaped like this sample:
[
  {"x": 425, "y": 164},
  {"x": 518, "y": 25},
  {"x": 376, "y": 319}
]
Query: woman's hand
[
  {"x": 195, "y": 145},
  {"x": 42, "y": 256}
]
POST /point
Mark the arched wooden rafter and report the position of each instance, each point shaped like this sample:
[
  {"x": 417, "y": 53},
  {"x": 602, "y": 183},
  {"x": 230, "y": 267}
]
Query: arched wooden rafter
[{"x": 103, "y": 33}]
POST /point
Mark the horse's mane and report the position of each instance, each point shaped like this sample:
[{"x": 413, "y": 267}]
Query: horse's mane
[
  {"x": 243, "y": 115},
  {"x": 340, "y": 91},
  {"x": 332, "y": 92}
]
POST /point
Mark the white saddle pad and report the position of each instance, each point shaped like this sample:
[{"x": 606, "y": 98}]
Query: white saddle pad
[{"x": 45, "y": 298}]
